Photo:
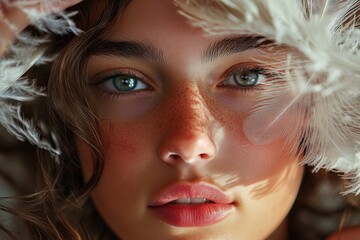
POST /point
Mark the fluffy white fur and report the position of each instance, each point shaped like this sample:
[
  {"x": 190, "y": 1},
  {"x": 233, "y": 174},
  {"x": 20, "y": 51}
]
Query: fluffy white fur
[{"x": 323, "y": 74}]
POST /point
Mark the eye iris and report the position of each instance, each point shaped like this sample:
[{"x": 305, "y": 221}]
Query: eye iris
[
  {"x": 124, "y": 83},
  {"x": 246, "y": 78}
]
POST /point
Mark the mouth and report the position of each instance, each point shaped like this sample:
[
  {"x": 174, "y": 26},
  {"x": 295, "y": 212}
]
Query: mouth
[
  {"x": 191, "y": 205},
  {"x": 191, "y": 201}
]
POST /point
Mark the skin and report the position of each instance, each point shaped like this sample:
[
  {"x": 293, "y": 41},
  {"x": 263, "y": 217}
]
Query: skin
[
  {"x": 188, "y": 113},
  {"x": 346, "y": 234}
]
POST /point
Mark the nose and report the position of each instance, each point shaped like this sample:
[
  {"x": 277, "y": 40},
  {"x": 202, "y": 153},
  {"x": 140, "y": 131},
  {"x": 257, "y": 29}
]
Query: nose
[
  {"x": 188, "y": 132},
  {"x": 196, "y": 148}
]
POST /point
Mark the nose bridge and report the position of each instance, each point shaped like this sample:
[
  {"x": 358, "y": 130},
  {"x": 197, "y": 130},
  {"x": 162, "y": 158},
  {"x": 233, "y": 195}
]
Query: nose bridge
[
  {"x": 191, "y": 113},
  {"x": 188, "y": 133}
]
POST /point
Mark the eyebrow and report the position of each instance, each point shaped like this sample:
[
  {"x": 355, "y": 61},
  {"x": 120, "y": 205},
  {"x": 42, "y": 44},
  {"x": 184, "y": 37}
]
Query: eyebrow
[
  {"x": 128, "y": 49},
  {"x": 234, "y": 45},
  {"x": 148, "y": 52}
]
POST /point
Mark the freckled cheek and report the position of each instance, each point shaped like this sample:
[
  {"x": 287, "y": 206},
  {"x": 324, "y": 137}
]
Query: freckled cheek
[
  {"x": 125, "y": 148},
  {"x": 125, "y": 141},
  {"x": 247, "y": 161},
  {"x": 280, "y": 118},
  {"x": 260, "y": 162},
  {"x": 232, "y": 101}
]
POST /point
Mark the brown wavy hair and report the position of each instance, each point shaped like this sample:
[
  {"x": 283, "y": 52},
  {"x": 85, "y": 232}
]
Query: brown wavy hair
[{"x": 58, "y": 206}]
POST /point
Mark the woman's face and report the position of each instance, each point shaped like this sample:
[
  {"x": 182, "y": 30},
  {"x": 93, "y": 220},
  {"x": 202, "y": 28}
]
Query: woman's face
[{"x": 176, "y": 115}]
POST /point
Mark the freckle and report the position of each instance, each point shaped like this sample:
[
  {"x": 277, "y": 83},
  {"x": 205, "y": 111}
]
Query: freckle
[{"x": 228, "y": 118}]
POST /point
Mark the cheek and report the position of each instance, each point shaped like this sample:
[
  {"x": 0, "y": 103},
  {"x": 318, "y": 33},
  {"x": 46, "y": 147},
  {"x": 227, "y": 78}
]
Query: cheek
[
  {"x": 241, "y": 161},
  {"x": 274, "y": 118},
  {"x": 270, "y": 200},
  {"x": 127, "y": 162},
  {"x": 126, "y": 145},
  {"x": 122, "y": 149},
  {"x": 249, "y": 164}
]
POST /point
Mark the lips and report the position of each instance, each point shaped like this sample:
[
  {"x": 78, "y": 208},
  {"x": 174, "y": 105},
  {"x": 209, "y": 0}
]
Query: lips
[{"x": 191, "y": 205}]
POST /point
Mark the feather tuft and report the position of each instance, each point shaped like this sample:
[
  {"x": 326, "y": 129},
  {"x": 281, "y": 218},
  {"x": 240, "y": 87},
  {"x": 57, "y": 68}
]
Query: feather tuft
[{"x": 25, "y": 53}]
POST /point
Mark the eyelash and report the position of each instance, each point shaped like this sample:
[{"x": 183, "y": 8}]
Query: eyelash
[
  {"x": 107, "y": 76},
  {"x": 243, "y": 68}
]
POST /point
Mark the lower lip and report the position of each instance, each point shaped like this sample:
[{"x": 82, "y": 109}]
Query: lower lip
[{"x": 192, "y": 215}]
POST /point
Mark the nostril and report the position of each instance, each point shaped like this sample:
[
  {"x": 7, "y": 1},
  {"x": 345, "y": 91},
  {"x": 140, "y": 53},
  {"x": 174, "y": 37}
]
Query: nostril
[
  {"x": 204, "y": 156},
  {"x": 174, "y": 156},
  {"x": 177, "y": 157},
  {"x": 187, "y": 149}
]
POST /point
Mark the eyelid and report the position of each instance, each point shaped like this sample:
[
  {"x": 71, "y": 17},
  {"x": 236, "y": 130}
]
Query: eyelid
[
  {"x": 103, "y": 76},
  {"x": 266, "y": 73},
  {"x": 242, "y": 66},
  {"x": 102, "y": 79}
]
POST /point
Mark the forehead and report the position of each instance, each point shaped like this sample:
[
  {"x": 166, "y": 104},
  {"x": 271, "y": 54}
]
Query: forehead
[
  {"x": 142, "y": 13},
  {"x": 156, "y": 22},
  {"x": 159, "y": 25}
]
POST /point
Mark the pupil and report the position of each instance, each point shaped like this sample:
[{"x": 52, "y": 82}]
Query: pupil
[
  {"x": 124, "y": 83},
  {"x": 246, "y": 78}
]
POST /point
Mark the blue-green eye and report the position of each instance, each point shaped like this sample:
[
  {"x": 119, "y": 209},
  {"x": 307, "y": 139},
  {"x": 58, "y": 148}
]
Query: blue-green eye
[
  {"x": 124, "y": 83},
  {"x": 245, "y": 78}
]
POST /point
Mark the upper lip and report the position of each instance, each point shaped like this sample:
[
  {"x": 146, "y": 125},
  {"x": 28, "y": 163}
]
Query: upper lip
[{"x": 191, "y": 190}]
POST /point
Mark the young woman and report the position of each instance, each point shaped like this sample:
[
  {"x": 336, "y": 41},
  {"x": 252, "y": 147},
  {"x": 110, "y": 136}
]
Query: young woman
[{"x": 165, "y": 131}]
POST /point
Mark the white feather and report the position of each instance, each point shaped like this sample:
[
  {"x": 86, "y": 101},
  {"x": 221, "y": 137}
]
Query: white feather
[
  {"x": 24, "y": 129},
  {"x": 325, "y": 80},
  {"x": 24, "y": 54}
]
